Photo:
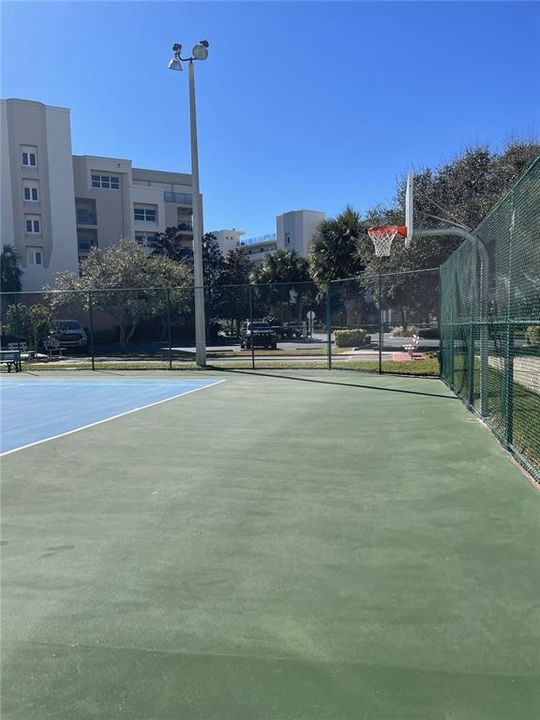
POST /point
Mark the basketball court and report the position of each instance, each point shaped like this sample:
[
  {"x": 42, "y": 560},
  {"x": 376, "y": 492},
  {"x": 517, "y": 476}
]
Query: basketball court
[{"x": 300, "y": 544}]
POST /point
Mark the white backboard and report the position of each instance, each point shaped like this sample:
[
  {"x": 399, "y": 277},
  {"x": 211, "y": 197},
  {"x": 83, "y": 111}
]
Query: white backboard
[{"x": 409, "y": 213}]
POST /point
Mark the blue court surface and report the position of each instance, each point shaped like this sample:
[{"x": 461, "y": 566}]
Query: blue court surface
[{"x": 34, "y": 410}]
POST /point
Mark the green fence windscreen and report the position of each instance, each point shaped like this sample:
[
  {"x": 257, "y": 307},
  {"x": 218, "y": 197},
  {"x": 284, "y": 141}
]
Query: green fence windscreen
[{"x": 490, "y": 337}]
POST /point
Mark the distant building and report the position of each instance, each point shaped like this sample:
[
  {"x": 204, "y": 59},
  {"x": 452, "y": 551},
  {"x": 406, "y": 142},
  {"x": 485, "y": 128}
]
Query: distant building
[
  {"x": 55, "y": 207},
  {"x": 295, "y": 230},
  {"x": 228, "y": 239}
]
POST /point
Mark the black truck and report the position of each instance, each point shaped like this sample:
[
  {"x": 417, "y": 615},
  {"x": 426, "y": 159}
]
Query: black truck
[{"x": 258, "y": 333}]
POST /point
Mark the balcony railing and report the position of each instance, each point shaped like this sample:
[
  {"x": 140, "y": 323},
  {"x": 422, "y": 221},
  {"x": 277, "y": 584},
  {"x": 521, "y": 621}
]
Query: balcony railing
[
  {"x": 187, "y": 227},
  {"x": 180, "y": 198},
  {"x": 260, "y": 239},
  {"x": 85, "y": 217}
]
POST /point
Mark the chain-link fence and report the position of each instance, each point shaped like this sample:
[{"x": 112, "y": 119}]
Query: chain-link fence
[
  {"x": 367, "y": 324},
  {"x": 491, "y": 336},
  {"x": 128, "y": 328}
]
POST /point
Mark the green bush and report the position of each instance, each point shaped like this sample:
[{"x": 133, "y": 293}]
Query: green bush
[
  {"x": 351, "y": 338},
  {"x": 429, "y": 333},
  {"x": 533, "y": 335}
]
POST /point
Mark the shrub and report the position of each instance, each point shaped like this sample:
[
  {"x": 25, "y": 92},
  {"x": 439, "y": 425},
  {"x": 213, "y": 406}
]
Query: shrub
[
  {"x": 533, "y": 335},
  {"x": 409, "y": 332},
  {"x": 351, "y": 338},
  {"x": 429, "y": 333}
]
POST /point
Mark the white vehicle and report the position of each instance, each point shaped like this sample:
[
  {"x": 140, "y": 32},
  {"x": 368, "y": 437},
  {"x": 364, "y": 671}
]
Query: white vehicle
[{"x": 68, "y": 334}]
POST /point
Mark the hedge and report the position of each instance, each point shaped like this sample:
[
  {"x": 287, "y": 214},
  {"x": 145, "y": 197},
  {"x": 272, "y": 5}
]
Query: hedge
[
  {"x": 429, "y": 333},
  {"x": 351, "y": 338}
]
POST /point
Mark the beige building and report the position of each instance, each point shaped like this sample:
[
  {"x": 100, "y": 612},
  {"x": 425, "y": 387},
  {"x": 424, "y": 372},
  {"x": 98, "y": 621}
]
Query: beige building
[
  {"x": 36, "y": 188},
  {"x": 294, "y": 231},
  {"x": 114, "y": 200},
  {"x": 56, "y": 207}
]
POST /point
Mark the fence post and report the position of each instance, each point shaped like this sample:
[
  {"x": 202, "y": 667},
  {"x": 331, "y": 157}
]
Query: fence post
[
  {"x": 91, "y": 312},
  {"x": 329, "y": 324},
  {"x": 470, "y": 363},
  {"x": 251, "y": 327},
  {"x": 509, "y": 383},
  {"x": 18, "y": 328},
  {"x": 439, "y": 324},
  {"x": 381, "y": 333},
  {"x": 169, "y": 326}
]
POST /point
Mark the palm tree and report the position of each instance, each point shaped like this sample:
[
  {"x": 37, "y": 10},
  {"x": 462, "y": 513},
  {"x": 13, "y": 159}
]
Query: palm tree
[
  {"x": 284, "y": 286},
  {"x": 335, "y": 252},
  {"x": 10, "y": 271}
]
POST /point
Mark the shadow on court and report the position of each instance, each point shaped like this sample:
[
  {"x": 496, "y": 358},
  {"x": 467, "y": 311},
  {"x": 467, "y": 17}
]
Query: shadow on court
[{"x": 320, "y": 381}]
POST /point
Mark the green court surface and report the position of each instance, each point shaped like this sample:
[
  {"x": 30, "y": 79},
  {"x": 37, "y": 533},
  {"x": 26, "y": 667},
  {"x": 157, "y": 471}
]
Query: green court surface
[{"x": 322, "y": 546}]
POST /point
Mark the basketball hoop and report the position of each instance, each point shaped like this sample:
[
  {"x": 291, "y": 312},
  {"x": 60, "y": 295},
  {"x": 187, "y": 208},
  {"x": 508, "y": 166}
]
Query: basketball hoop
[{"x": 383, "y": 237}]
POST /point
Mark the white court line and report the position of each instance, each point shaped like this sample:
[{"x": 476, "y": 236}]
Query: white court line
[{"x": 113, "y": 417}]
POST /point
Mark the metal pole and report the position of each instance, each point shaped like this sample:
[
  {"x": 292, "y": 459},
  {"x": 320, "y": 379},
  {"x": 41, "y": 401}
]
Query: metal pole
[
  {"x": 329, "y": 324},
  {"x": 251, "y": 328},
  {"x": 91, "y": 312},
  {"x": 509, "y": 383},
  {"x": 381, "y": 335},
  {"x": 470, "y": 364},
  {"x": 200, "y": 325},
  {"x": 169, "y": 326}
]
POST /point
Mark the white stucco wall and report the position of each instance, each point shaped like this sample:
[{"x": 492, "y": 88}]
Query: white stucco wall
[{"x": 64, "y": 254}]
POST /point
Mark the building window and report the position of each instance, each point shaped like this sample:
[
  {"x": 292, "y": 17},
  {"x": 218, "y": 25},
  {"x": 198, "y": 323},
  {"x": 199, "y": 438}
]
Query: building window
[
  {"x": 29, "y": 156},
  {"x": 145, "y": 214},
  {"x": 34, "y": 255},
  {"x": 31, "y": 194},
  {"x": 287, "y": 238},
  {"x": 30, "y": 191},
  {"x": 32, "y": 224},
  {"x": 106, "y": 182},
  {"x": 147, "y": 241}
]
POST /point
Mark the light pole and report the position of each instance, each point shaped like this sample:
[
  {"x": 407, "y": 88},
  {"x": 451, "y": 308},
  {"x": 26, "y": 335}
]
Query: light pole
[{"x": 199, "y": 52}]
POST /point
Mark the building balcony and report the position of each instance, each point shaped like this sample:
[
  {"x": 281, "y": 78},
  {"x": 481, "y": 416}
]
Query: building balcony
[
  {"x": 178, "y": 198},
  {"x": 85, "y": 218},
  {"x": 185, "y": 227}
]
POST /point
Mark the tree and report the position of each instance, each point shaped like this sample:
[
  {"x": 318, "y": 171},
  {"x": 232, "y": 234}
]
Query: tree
[
  {"x": 335, "y": 251},
  {"x": 170, "y": 245},
  {"x": 283, "y": 286},
  {"x": 10, "y": 270},
  {"x": 29, "y": 322},
  {"x": 128, "y": 285},
  {"x": 462, "y": 191},
  {"x": 336, "y": 255},
  {"x": 235, "y": 277}
]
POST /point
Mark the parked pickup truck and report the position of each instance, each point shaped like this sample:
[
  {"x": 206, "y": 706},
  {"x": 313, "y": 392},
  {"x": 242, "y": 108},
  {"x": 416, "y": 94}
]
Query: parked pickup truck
[
  {"x": 258, "y": 333},
  {"x": 67, "y": 334}
]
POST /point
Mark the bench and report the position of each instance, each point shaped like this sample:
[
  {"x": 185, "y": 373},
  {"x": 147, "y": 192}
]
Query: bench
[
  {"x": 412, "y": 347},
  {"x": 11, "y": 358}
]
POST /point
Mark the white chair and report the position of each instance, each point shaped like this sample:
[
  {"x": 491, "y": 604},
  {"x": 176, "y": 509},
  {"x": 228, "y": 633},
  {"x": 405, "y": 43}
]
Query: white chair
[
  {"x": 412, "y": 347},
  {"x": 52, "y": 345}
]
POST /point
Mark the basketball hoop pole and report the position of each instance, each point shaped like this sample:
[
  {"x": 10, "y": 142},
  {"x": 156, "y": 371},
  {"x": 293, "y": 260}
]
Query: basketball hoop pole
[{"x": 484, "y": 283}]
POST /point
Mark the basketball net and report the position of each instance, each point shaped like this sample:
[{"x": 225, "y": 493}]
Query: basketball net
[{"x": 383, "y": 236}]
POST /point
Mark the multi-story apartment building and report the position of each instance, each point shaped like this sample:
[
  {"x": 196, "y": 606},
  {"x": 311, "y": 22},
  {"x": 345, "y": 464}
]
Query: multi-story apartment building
[
  {"x": 56, "y": 207},
  {"x": 36, "y": 176},
  {"x": 114, "y": 200},
  {"x": 294, "y": 231}
]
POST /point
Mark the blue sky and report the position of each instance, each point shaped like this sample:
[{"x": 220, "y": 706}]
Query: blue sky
[{"x": 301, "y": 105}]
